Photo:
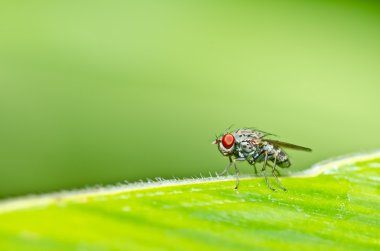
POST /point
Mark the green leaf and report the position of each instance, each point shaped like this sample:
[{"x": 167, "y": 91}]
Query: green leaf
[{"x": 333, "y": 206}]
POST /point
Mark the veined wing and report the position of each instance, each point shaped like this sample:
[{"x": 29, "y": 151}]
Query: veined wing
[{"x": 288, "y": 145}]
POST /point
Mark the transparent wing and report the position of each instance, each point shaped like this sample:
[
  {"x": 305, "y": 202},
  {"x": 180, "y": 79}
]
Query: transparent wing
[{"x": 288, "y": 145}]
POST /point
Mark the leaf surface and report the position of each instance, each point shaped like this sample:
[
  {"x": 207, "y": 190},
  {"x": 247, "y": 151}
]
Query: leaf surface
[{"x": 334, "y": 206}]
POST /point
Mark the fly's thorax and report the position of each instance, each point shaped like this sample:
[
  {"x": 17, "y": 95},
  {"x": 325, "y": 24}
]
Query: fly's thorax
[
  {"x": 247, "y": 134},
  {"x": 247, "y": 142},
  {"x": 247, "y": 146}
]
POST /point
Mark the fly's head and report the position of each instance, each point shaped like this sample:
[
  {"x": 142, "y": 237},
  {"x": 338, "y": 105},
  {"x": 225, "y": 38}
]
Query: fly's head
[{"x": 226, "y": 144}]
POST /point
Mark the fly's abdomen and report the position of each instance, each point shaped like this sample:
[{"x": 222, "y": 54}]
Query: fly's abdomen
[
  {"x": 283, "y": 160},
  {"x": 284, "y": 164}
]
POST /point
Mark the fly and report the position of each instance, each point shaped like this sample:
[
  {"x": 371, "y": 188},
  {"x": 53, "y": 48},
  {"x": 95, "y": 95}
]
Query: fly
[{"x": 253, "y": 146}]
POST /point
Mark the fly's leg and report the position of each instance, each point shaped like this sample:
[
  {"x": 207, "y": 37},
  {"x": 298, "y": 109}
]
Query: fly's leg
[
  {"x": 253, "y": 163},
  {"x": 263, "y": 171},
  {"x": 237, "y": 175},
  {"x": 254, "y": 166},
  {"x": 274, "y": 174},
  {"x": 276, "y": 170},
  {"x": 257, "y": 156},
  {"x": 226, "y": 170}
]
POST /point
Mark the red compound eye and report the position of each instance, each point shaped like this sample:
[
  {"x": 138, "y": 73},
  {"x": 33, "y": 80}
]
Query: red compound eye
[{"x": 228, "y": 140}]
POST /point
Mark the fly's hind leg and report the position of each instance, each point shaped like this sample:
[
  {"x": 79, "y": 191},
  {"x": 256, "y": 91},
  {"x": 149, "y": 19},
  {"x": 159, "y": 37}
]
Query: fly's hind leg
[
  {"x": 226, "y": 170},
  {"x": 274, "y": 174},
  {"x": 237, "y": 175},
  {"x": 263, "y": 171}
]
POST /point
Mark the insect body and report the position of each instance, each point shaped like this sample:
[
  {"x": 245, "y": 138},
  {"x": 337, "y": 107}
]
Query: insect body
[{"x": 253, "y": 146}]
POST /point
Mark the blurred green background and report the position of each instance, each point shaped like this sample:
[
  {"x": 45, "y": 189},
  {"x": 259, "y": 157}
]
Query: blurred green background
[{"x": 98, "y": 92}]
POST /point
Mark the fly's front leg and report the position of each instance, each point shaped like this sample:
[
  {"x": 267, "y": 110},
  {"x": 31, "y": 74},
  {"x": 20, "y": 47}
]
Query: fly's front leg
[
  {"x": 226, "y": 170},
  {"x": 237, "y": 175},
  {"x": 263, "y": 171},
  {"x": 274, "y": 174}
]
